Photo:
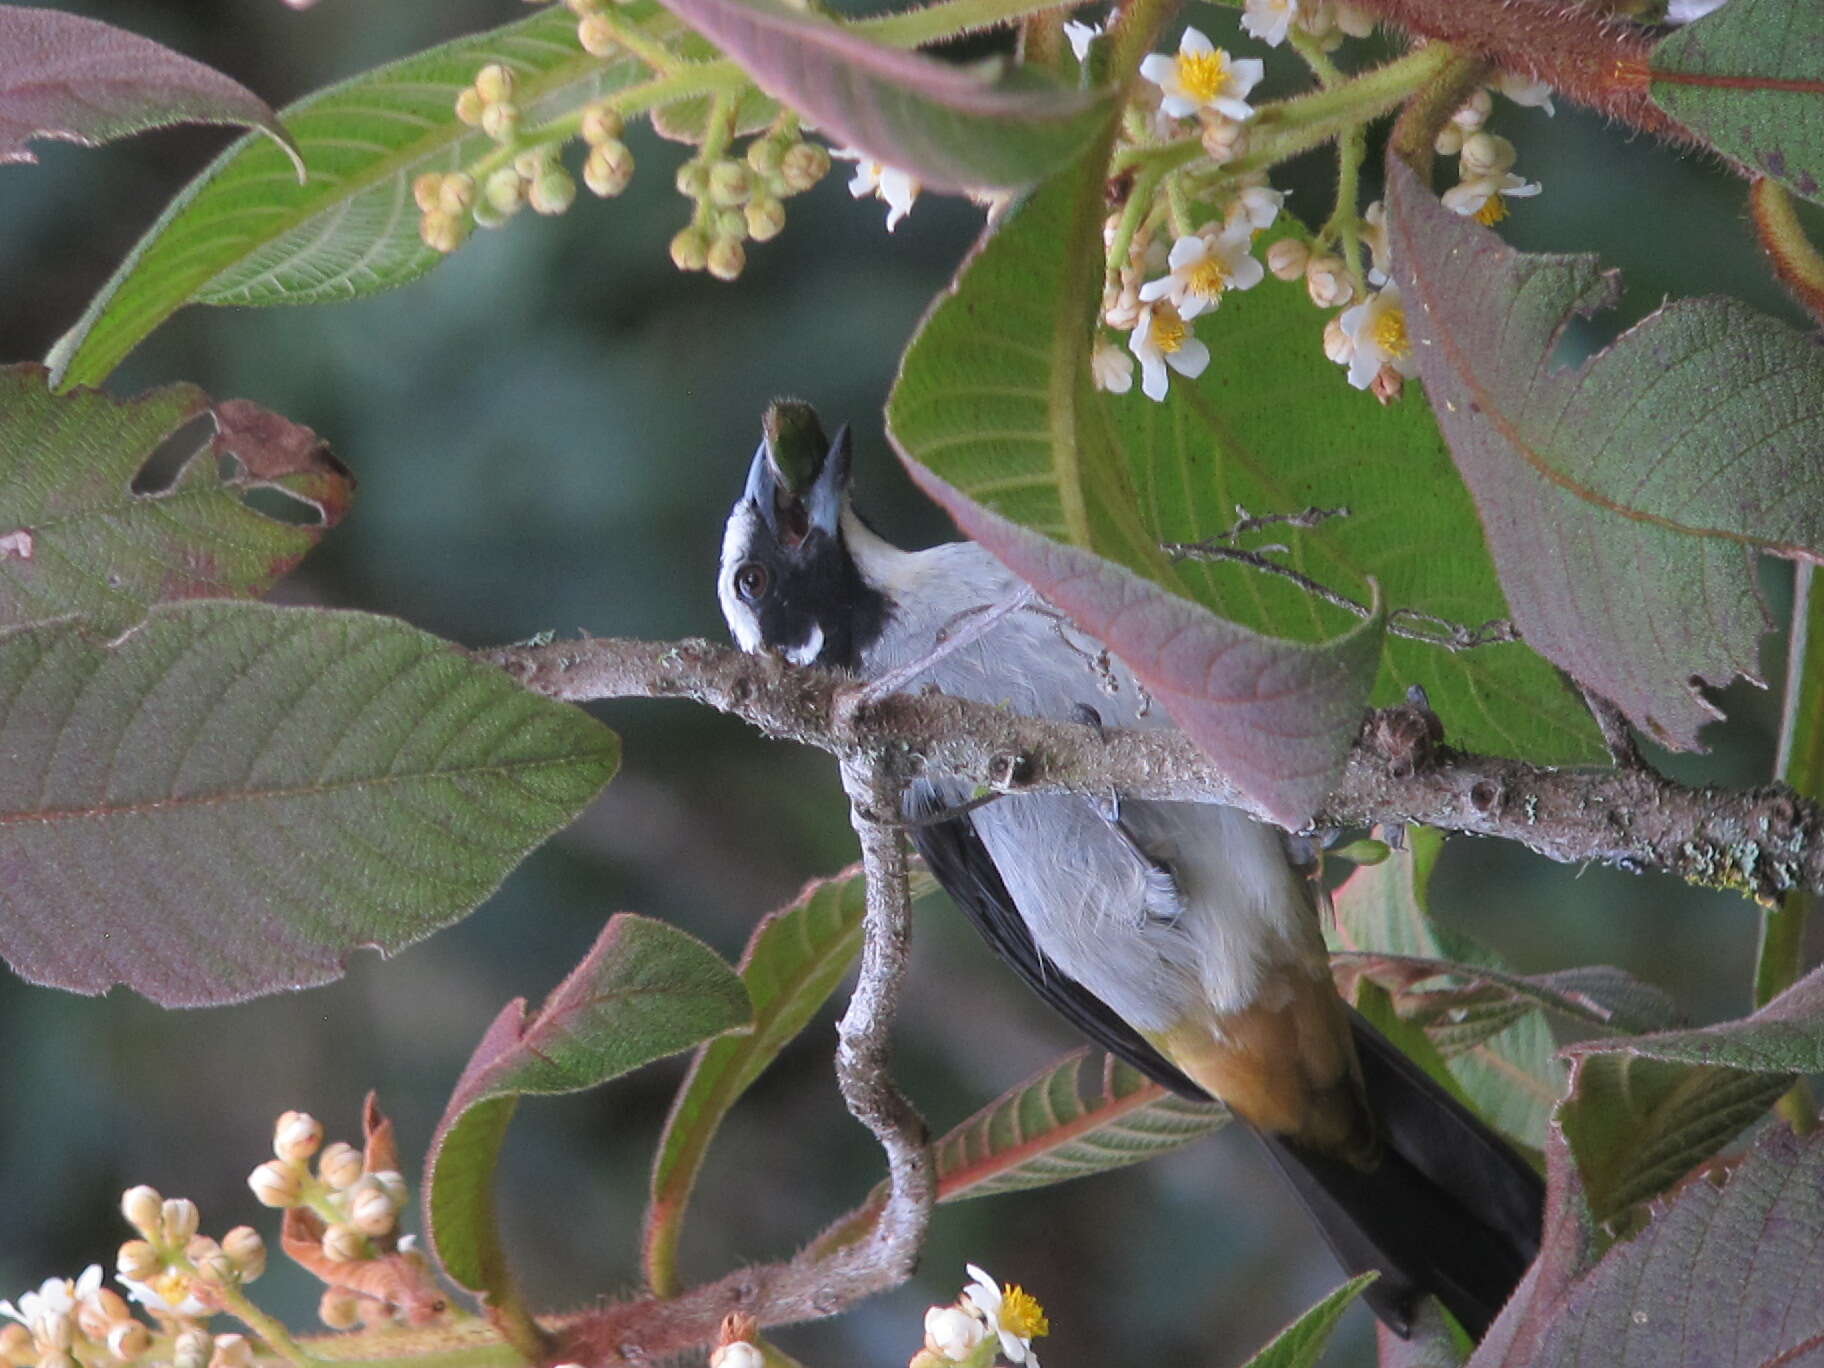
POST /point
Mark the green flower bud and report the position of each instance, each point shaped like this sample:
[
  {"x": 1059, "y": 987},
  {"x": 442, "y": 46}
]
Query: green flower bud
[
  {"x": 765, "y": 217},
  {"x": 504, "y": 192},
  {"x": 501, "y": 121},
  {"x": 553, "y": 192},
  {"x": 601, "y": 123},
  {"x": 596, "y": 34},
  {"x": 609, "y": 168},
  {"x": 726, "y": 258},
  {"x": 494, "y": 83},
  {"x": 470, "y": 106},
  {"x": 693, "y": 180},
  {"x": 764, "y": 155},
  {"x": 690, "y": 250},
  {"x": 803, "y": 165},
  {"x": 730, "y": 184}
]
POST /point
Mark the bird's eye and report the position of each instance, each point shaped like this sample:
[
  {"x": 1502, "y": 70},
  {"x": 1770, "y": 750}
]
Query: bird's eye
[{"x": 751, "y": 580}]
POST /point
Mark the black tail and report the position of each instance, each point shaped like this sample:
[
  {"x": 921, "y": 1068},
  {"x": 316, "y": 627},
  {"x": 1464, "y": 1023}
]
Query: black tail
[{"x": 1452, "y": 1210}]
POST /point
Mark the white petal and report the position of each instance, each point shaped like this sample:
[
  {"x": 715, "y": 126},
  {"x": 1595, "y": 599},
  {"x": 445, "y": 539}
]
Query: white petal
[
  {"x": 1152, "y": 375},
  {"x": 1190, "y": 358},
  {"x": 1244, "y": 74},
  {"x": 1524, "y": 190},
  {"x": 1239, "y": 110},
  {"x": 1194, "y": 40},
  {"x": 1156, "y": 289},
  {"x": 1159, "y": 68},
  {"x": 1080, "y": 36},
  {"x": 1247, "y": 273},
  {"x": 1178, "y": 106}
]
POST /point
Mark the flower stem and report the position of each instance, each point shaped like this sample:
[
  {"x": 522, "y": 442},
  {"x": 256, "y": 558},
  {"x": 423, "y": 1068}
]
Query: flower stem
[
  {"x": 648, "y": 49},
  {"x": 277, "y": 1337}
]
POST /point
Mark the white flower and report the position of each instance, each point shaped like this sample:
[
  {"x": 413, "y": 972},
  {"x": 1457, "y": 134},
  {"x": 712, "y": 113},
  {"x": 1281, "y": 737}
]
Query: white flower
[
  {"x": 738, "y": 1354},
  {"x": 1203, "y": 76},
  {"x": 1080, "y": 36},
  {"x": 1376, "y": 334},
  {"x": 1162, "y": 338},
  {"x": 1011, "y": 1313},
  {"x": 887, "y": 183},
  {"x": 1485, "y": 198},
  {"x": 953, "y": 1333},
  {"x": 1534, "y": 94},
  {"x": 1111, "y": 368},
  {"x": 1268, "y": 20},
  {"x": 147, "y": 1294},
  {"x": 1258, "y": 205},
  {"x": 54, "y": 1297},
  {"x": 1203, "y": 269}
]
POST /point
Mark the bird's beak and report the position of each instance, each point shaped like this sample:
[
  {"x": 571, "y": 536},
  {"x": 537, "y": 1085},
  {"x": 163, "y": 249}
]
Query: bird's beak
[{"x": 799, "y": 478}]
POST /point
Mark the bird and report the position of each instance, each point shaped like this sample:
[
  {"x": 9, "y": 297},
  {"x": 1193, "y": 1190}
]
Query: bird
[{"x": 1181, "y": 937}]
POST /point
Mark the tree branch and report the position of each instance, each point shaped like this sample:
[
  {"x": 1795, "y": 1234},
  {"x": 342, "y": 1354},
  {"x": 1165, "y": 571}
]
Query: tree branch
[{"x": 1762, "y": 841}]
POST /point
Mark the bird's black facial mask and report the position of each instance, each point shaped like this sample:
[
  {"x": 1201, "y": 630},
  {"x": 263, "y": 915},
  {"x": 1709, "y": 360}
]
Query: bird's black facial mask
[{"x": 788, "y": 583}]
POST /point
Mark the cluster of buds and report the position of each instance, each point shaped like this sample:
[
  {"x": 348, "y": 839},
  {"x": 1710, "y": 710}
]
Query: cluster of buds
[
  {"x": 488, "y": 103},
  {"x": 68, "y": 1321},
  {"x": 736, "y": 200},
  {"x": 1475, "y": 111},
  {"x": 1325, "y": 22},
  {"x": 358, "y": 1207},
  {"x": 171, "y": 1269}
]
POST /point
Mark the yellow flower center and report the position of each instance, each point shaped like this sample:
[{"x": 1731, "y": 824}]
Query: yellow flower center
[
  {"x": 1389, "y": 333},
  {"x": 173, "y": 1285},
  {"x": 1021, "y": 1314},
  {"x": 1169, "y": 330},
  {"x": 1493, "y": 210},
  {"x": 1208, "y": 277},
  {"x": 1203, "y": 74}
]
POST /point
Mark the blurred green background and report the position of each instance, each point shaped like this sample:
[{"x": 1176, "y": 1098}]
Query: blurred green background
[{"x": 548, "y": 431}]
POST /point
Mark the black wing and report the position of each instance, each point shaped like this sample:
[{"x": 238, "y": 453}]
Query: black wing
[{"x": 960, "y": 862}]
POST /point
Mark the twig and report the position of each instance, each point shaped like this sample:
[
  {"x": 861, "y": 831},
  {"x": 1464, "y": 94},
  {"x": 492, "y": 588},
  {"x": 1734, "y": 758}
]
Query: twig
[
  {"x": 1452, "y": 636},
  {"x": 1764, "y": 841}
]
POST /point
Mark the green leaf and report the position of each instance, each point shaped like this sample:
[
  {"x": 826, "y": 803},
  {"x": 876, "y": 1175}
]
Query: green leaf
[
  {"x": 1301, "y": 1343},
  {"x": 1592, "y": 995},
  {"x": 996, "y": 418},
  {"x": 232, "y": 798},
  {"x": 951, "y": 127},
  {"x": 79, "y": 539},
  {"x": 1508, "y": 1075},
  {"x": 75, "y": 79},
  {"x": 1747, "y": 79},
  {"x": 1622, "y": 497},
  {"x": 1046, "y": 1130},
  {"x": 645, "y": 990},
  {"x": 1784, "y": 1037},
  {"x": 1271, "y": 427},
  {"x": 243, "y": 232},
  {"x": 793, "y": 962}
]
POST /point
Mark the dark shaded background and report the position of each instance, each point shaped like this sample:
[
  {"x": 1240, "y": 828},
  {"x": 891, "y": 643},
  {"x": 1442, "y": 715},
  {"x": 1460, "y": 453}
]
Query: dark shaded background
[{"x": 548, "y": 431}]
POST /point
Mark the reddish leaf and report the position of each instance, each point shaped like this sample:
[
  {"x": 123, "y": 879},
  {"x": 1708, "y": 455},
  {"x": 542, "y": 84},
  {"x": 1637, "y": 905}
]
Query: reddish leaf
[
  {"x": 949, "y": 126},
  {"x": 645, "y": 990},
  {"x": 1276, "y": 715},
  {"x": 1623, "y": 497},
  {"x": 83, "y": 81},
  {"x": 397, "y": 1281}
]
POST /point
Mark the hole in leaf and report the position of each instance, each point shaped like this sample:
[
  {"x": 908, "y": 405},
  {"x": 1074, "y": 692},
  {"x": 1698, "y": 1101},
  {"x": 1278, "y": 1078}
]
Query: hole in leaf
[
  {"x": 271, "y": 501},
  {"x": 228, "y": 467},
  {"x": 170, "y": 456}
]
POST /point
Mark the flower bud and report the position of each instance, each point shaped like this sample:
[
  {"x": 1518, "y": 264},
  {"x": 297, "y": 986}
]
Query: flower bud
[
  {"x": 343, "y": 1243},
  {"x": 274, "y": 1184},
  {"x": 738, "y": 1354},
  {"x": 1327, "y": 281},
  {"x": 952, "y": 1333},
  {"x": 533, "y": 162},
  {"x": 729, "y": 223},
  {"x": 371, "y": 1211},
  {"x": 727, "y": 257},
  {"x": 298, "y": 1135},
  {"x": 764, "y": 156},
  {"x": 1449, "y": 141},
  {"x": 470, "y": 106},
  {"x": 98, "y": 1312},
  {"x": 247, "y": 1251},
  {"x": 340, "y": 1165},
  {"x": 1287, "y": 258},
  {"x": 143, "y": 1208},
  {"x": 693, "y": 180},
  {"x": 553, "y": 192},
  {"x": 1223, "y": 138},
  {"x": 1355, "y": 20},
  {"x": 1475, "y": 111},
  {"x": 426, "y": 190},
  {"x": 1485, "y": 154},
  {"x": 504, "y": 193},
  {"x": 609, "y": 168},
  {"x": 442, "y": 232},
  {"x": 392, "y": 1183},
  {"x": 730, "y": 183},
  {"x": 494, "y": 83},
  {"x": 128, "y": 1339},
  {"x": 339, "y": 1308},
  {"x": 501, "y": 121},
  {"x": 231, "y": 1351},
  {"x": 596, "y": 34},
  {"x": 138, "y": 1261},
  {"x": 690, "y": 250},
  {"x": 803, "y": 165},
  {"x": 765, "y": 218},
  {"x": 191, "y": 1349},
  {"x": 54, "y": 1328},
  {"x": 179, "y": 1220},
  {"x": 601, "y": 123},
  {"x": 1338, "y": 345},
  {"x": 455, "y": 195}
]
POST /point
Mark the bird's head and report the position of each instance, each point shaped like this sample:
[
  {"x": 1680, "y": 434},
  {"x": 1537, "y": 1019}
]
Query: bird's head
[{"x": 789, "y": 582}]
